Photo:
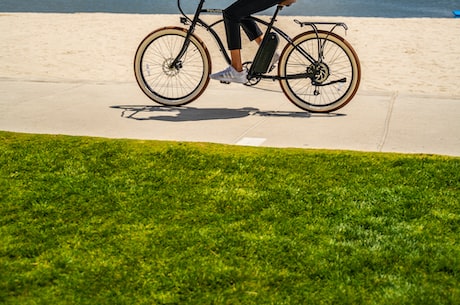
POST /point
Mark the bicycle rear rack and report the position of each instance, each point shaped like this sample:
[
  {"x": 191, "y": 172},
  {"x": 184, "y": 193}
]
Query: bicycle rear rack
[{"x": 314, "y": 25}]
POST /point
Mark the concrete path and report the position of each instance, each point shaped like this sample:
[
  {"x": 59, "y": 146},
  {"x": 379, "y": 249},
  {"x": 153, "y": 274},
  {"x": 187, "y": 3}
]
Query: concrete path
[{"x": 233, "y": 114}]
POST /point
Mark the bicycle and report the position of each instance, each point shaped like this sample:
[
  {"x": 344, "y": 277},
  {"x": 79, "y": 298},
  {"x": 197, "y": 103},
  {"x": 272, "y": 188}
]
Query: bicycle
[{"x": 318, "y": 70}]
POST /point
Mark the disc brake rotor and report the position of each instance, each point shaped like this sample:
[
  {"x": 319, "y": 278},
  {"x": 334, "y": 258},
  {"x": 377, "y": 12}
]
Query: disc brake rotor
[{"x": 167, "y": 69}]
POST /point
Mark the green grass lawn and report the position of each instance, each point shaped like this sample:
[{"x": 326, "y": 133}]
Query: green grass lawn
[{"x": 98, "y": 221}]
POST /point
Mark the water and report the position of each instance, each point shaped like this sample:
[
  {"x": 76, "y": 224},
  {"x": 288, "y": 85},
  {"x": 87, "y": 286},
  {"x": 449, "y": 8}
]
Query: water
[{"x": 357, "y": 8}]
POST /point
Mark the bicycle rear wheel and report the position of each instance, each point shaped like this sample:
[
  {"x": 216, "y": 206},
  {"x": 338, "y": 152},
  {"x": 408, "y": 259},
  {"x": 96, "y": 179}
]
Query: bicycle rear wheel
[
  {"x": 172, "y": 86},
  {"x": 335, "y": 75}
]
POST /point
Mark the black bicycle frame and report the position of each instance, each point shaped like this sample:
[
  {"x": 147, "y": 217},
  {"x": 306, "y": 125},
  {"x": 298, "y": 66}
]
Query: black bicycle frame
[
  {"x": 270, "y": 27},
  {"x": 209, "y": 27}
]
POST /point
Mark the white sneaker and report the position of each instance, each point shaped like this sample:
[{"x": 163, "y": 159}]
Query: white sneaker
[{"x": 230, "y": 75}]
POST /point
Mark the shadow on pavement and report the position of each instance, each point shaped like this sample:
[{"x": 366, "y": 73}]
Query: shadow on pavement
[{"x": 186, "y": 114}]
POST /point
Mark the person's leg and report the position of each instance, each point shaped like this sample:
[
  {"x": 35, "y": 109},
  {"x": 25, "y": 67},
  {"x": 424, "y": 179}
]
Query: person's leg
[
  {"x": 237, "y": 62},
  {"x": 234, "y": 16},
  {"x": 252, "y": 30},
  {"x": 235, "y": 55}
]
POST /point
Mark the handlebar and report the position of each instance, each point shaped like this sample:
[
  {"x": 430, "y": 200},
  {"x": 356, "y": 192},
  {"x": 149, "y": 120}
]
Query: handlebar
[
  {"x": 180, "y": 8},
  {"x": 197, "y": 12}
]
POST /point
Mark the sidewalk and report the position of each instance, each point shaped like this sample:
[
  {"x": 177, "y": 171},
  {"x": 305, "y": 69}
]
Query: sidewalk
[{"x": 233, "y": 114}]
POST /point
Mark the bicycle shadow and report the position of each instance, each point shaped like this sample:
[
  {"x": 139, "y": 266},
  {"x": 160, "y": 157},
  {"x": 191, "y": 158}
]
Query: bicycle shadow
[{"x": 187, "y": 114}]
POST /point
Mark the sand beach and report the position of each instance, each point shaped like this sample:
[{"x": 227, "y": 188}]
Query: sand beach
[{"x": 414, "y": 55}]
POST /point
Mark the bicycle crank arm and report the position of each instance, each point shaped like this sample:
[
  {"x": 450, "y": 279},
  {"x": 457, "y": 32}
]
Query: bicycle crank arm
[{"x": 302, "y": 76}]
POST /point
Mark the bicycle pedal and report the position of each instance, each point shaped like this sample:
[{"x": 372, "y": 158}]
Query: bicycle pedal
[{"x": 224, "y": 82}]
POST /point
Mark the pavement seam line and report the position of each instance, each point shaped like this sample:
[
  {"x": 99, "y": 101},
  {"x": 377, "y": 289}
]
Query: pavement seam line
[
  {"x": 386, "y": 128},
  {"x": 245, "y": 133}
]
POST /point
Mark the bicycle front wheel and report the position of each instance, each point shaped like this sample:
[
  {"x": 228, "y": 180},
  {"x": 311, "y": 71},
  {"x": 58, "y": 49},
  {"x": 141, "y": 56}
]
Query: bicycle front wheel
[
  {"x": 167, "y": 85},
  {"x": 333, "y": 78}
]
